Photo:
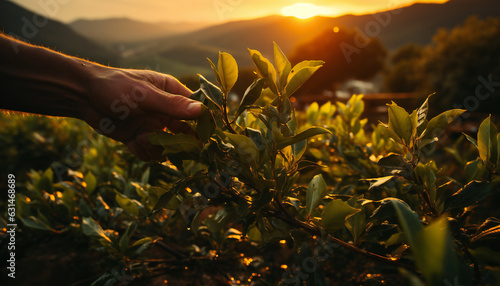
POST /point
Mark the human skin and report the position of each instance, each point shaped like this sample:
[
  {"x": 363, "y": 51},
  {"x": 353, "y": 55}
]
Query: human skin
[{"x": 123, "y": 104}]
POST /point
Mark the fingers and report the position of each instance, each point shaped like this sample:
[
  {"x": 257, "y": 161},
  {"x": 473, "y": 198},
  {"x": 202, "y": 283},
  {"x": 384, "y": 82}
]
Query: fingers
[
  {"x": 175, "y": 106},
  {"x": 172, "y": 85}
]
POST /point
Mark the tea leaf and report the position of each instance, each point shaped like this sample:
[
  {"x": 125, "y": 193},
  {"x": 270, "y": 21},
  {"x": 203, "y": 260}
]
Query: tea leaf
[
  {"x": 251, "y": 95},
  {"x": 471, "y": 140},
  {"x": 245, "y": 147},
  {"x": 127, "y": 204},
  {"x": 469, "y": 195},
  {"x": 265, "y": 69},
  {"x": 212, "y": 92},
  {"x": 487, "y": 142},
  {"x": 91, "y": 182},
  {"x": 300, "y": 74},
  {"x": 316, "y": 191},
  {"x": 228, "y": 70},
  {"x": 175, "y": 143},
  {"x": 437, "y": 124},
  {"x": 125, "y": 238},
  {"x": 283, "y": 66},
  {"x": 377, "y": 182},
  {"x": 313, "y": 131},
  {"x": 205, "y": 126},
  {"x": 335, "y": 215},
  {"x": 422, "y": 111},
  {"x": 400, "y": 122},
  {"x": 216, "y": 72},
  {"x": 91, "y": 228}
]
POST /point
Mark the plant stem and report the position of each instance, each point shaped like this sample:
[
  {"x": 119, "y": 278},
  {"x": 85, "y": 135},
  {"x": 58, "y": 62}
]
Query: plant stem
[
  {"x": 286, "y": 217},
  {"x": 224, "y": 112}
]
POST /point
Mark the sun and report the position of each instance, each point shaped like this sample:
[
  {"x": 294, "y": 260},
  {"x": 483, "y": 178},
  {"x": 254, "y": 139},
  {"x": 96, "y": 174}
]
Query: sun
[{"x": 303, "y": 10}]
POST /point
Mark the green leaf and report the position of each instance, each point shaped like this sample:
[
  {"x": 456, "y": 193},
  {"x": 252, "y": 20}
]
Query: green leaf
[
  {"x": 356, "y": 224},
  {"x": 299, "y": 74},
  {"x": 125, "y": 238},
  {"x": 489, "y": 230},
  {"x": 166, "y": 196},
  {"x": 91, "y": 182},
  {"x": 428, "y": 178},
  {"x": 335, "y": 215},
  {"x": 142, "y": 244},
  {"x": 435, "y": 256},
  {"x": 498, "y": 149},
  {"x": 316, "y": 191},
  {"x": 414, "y": 124},
  {"x": 436, "y": 125},
  {"x": 164, "y": 200},
  {"x": 394, "y": 161},
  {"x": 469, "y": 195},
  {"x": 34, "y": 222},
  {"x": 313, "y": 131},
  {"x": 265, "y": 69},
  {"x": 216, "y": 72},
  {"x": 128, "y": 205},
  {"x": 409, "y": 222},
  {"x": 377, "y": 182},
  {"x": 422, "y": 111},
  {"x": 327, "y": 110},
  {"x": 245, "y": 147},
  {"x": 391, "y": 132},
  {"x": 386, "y": 209},
  {"x": 251, "y": 95},
  {"x": 145, "y": 176},
  {"x": 474, "y": 170},
  {"x": 175, "y": 143},
  {"x": 205, "y": 126},
  {"x": 228, "y": 70},
  {"x": 487, "y": 142},
  {"x": 283, "y": 66},
  {"x": 400, "y": 122},
  {"x": 312, "y": 113},
  {"x": 471, "y": 140},
  {"x": 212, "y": 92},
  {"x": 91, "y": 228},
  {"x": 142, "y": 241},
  {"x": 355, "y": 106},
  {"x": 298, "y": 149}
]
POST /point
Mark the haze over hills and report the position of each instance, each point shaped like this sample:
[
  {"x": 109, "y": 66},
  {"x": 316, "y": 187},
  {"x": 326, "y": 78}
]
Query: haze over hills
[
  {"x": 125, "y": 30},
  {"x": 416, "y": 24},
  {"x": 36, "y": 29},
  {"x": 178, "y": 49}
]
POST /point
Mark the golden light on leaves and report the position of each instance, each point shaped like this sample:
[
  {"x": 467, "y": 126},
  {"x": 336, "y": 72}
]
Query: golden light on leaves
[{"x": 305, "y": 10}]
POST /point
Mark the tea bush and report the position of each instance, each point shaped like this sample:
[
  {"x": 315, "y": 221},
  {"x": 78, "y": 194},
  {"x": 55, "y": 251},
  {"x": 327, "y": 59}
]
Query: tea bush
[{"x": 261, "y": 178}]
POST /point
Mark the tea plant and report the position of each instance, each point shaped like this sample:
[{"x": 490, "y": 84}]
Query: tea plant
[{"x": 261, "y": 174}]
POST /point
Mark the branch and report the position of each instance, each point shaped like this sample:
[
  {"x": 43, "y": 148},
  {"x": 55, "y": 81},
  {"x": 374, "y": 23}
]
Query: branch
[{"x": 286, "y": 217}]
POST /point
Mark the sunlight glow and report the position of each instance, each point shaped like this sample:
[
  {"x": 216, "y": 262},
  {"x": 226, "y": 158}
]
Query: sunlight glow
[{"x": 305, "y": 10}]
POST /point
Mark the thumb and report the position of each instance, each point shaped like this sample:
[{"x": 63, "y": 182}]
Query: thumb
[{"x": 173, "y": 105}]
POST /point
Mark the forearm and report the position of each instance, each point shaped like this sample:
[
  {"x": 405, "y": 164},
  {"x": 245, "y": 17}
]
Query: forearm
[{"x": 38, "y": 80}]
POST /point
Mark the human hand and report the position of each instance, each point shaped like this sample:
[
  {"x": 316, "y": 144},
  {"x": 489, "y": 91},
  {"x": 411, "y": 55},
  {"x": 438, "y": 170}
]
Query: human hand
[{"x": 128, "y": 105}]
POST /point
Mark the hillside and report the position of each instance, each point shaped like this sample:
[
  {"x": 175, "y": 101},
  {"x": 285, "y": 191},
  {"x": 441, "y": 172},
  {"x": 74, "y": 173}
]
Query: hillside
[
  {"x": 22, "y": 23},
  {"x": 416, "y": 23},
  {"x": 125, "y": 30}
]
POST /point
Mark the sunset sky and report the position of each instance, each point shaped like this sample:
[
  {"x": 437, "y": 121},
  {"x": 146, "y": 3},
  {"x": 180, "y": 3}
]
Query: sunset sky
[{"x": 198, "y": 10}]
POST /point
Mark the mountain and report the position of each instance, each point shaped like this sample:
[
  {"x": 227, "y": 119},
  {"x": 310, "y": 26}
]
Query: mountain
[
  {"x": 125, "y": 30},
  {"x": 39, "y": 30},
  {"x": 416, "y": 23}
]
